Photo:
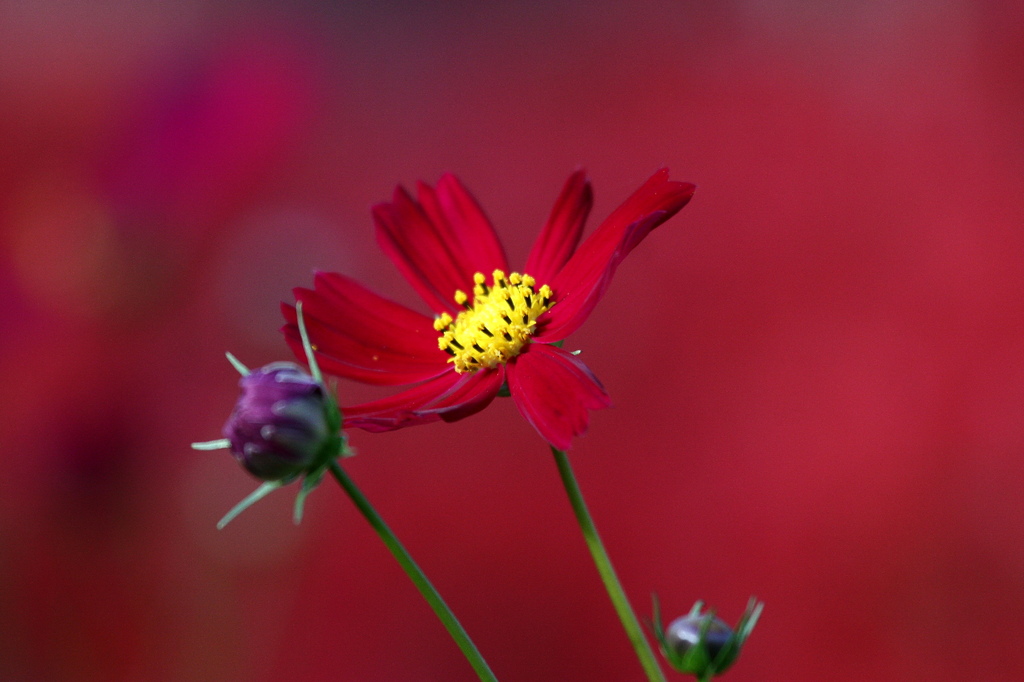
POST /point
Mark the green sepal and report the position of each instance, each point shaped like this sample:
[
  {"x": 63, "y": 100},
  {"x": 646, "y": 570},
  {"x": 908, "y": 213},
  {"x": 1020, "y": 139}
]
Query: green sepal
[
  {"x": 654, "y": 623},
  {"x": 331, "y": 406},
  {"x": 242, "y": 369},
  {"x": 748, "y": 620},
  {"x": 251, "y": 499},
  {"x": 729, "y": 653},
  {"x": 307, "y": 347},
  {"x": 337, "y": 446},
  {"x": 219, "y": 444},
  {"x": 309, "y": 484}
]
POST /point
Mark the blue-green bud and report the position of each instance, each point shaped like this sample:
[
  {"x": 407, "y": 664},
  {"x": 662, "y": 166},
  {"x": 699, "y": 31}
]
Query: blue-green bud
[{"x": 701, "y": 644}]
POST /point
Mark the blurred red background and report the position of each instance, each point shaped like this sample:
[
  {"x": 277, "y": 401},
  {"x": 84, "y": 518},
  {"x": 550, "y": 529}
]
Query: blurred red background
[{"x": 817, "y": 366}]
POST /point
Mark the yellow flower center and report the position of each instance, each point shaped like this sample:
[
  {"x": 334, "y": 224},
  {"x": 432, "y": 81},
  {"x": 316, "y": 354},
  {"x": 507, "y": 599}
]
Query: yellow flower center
[{"x": 497, "y": 325}]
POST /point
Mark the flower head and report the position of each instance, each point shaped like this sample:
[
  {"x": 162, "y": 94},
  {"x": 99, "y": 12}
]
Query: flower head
[
  {"x": 279, "y": 427},
  {"x": 492, "y": 326}
]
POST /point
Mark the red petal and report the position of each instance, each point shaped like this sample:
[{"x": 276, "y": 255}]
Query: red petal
[
  {"x": 585, "y": 278},
  {"x": 450, "y": 397},
  {"x": 360, "y": 335},
  {"x": 420, "y": 250},
  {"x": 476, "y": 392},
  {"x": 555, "y": 392},
  {"x": 439, "y": 243},
  {"x": 470, "y": 227},
  {"x": 561, "y": 233}
]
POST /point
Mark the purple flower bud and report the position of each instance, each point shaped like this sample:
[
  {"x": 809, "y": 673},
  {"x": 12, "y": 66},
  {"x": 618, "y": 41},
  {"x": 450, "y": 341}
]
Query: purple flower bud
[
  {"x": 700, "y": 643},
  {"x": 700, "y": 639},
  {"x": 279, "y": 426}
]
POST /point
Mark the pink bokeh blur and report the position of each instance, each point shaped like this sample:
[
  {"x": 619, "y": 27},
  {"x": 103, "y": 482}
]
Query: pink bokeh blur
[{"x": 817, "y": 366}]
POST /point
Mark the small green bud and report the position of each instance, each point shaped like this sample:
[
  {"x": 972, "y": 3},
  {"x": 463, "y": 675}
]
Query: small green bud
[
  {"x": 697, "y": 641},
  {"x": 700, "y": 643}
]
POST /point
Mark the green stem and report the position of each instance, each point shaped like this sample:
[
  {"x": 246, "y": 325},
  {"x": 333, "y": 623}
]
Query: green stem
[
  {"x": 417, "y": 576},
  {"x": 607, "y": 572}
]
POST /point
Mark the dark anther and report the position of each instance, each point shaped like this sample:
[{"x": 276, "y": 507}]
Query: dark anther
[
  {"x": 526, "y": 319},
  {"x": 478, "y": 348},
  {"x": 508, "y": 320},
  {"x": 529, "y": 300},
  {"x": 510, "y": 304},
  {"x": 508, "y": 337},
  {"x": 457, "y": 344},
  {"x": 487, "y": 331},
  {"x": 448, "y": 350}
]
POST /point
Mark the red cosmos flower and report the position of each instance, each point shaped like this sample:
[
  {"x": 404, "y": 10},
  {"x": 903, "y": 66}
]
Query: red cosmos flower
[{"x": 483, "y": 335}]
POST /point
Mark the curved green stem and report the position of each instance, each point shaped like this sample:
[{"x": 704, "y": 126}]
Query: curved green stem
[
  {"x": 417, "y": 576},
  {"x": 607, "y": 572}
]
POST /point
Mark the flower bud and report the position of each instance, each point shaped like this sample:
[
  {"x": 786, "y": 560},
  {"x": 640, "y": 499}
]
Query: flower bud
[
  {"x": 698, "y": 640},
  {"x": 701, "y": 644},
  {"x": 279, "y": 427}
]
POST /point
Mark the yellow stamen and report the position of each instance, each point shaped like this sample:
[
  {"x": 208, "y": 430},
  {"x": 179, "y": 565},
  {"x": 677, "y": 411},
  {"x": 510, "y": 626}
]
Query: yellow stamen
[{"x": 497, "y": 325}]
